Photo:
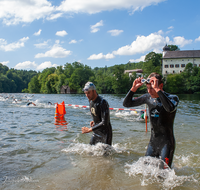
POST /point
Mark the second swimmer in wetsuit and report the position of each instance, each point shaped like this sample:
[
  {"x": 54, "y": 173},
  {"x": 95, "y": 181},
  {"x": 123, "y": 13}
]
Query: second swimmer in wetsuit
[
  {"x": 99, "y": 108},
  {"x": 162, "y": 110}
]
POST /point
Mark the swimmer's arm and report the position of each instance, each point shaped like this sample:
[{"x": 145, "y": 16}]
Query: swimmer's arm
[
  {"x": 169, "y": 105},
  {"x": 129, "y": 101},
  {"x": 86, "y": 130}
]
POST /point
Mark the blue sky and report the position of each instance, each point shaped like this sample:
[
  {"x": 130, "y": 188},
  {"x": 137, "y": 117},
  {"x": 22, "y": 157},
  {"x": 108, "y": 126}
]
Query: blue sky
[{"x": 36, "y": 34}]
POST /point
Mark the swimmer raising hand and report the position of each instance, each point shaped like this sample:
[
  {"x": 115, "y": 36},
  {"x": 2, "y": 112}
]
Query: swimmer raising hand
[{"x": 136, "y": 84}]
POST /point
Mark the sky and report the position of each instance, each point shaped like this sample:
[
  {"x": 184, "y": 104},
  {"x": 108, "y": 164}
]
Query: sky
[{"x": 36, "y": 34}]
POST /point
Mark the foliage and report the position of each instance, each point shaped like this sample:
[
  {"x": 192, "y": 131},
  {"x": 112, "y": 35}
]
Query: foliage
[
  {"x": 12, "y": 80},
  {"x": 107, "y": 80},
  {"x": 173, "y": 47}
]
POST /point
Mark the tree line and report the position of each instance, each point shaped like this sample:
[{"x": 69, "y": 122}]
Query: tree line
[
  {"x": 110, "y": 80},
  {"x": 12, "y": 80}
]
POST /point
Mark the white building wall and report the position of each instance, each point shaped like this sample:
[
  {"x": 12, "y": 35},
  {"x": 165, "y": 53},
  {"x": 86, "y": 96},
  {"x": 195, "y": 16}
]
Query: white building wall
[{"x": 180, "y": 62}]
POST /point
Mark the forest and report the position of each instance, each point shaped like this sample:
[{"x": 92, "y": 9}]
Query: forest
[{"x": 108, "y": 80}]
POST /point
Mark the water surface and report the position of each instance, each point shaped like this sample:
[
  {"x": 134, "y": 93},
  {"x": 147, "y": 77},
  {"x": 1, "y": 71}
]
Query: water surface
[{"x": 37, "y": 154}]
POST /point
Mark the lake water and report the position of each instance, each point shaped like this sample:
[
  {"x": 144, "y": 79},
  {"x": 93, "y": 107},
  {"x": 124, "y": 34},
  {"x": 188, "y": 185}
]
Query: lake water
[{"x": 37, "y": 154}]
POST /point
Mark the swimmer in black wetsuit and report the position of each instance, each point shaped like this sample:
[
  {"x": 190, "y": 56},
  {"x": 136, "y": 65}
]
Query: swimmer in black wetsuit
[
  {"x": 162, "y": 111},
  {"x": 99, "y": 108},
  {"x": 30, "y": 103}
]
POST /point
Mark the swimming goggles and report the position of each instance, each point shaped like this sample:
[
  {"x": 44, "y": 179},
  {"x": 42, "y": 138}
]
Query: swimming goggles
[{"x": 145, "y": 80}]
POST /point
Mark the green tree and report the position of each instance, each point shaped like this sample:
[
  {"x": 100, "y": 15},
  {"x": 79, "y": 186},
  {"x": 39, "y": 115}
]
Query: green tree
[
  {"x": 155, "y": 58},
  {"x": 34, "y": 85},
  {"x": 174, "y": 84},
  {"x": 173, "y": 47}
]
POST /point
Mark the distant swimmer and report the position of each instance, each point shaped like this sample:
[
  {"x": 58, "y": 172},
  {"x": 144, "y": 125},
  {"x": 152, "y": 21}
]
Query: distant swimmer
[
  {"x": 99, "y": 108},
  {"x": 162, "y": 110},
  {"x": 49, "y": 103},
  {"x": 30, "y": 103}
]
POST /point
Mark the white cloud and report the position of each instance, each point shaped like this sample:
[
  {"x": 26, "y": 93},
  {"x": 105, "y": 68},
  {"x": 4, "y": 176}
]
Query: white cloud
[
  {"x": 181, "y": 41},
  {"x": 73, "y": 42},
  {"x": 14, "y": 12},
  {"x": 26, "y": 65},
  {"x": 115, "y": 32},
  {"x": 46, "y": 64},
  {"x": 101, "y": 56},
  {"x": 143, "y": 44},
  {"x": 54, "y": 16},
  {"x": 4, "y": 62},
  {"x": 22, "y": 11},
  {"x": 96, "y": 6},
  {"x": 56, "y": 51},
  {"x": 38, "y": 33},
  {"x": 197, "y": 39},
  {"x": 42, "y": 45},
  {"x": 137, "y": 60},
  {"x": 12, "y": 46},
  {"x": 153, "y": 42},
  {"x": 171, "y": 27},
  {"x": 61, "y": 33},
  {"x": 95, "y": 28}
]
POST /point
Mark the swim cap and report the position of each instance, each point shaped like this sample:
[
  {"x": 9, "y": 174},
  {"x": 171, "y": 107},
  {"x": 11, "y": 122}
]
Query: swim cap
[{"x": 89, "y": 86}]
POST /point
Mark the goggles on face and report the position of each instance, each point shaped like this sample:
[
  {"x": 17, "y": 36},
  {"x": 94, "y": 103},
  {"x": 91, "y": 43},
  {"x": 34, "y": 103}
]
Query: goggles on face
[{"x": 145, "y": 80}]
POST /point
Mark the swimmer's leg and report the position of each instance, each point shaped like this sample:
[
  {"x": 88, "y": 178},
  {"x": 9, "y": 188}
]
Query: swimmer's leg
[
  {"x": 167, "y": 154},
  {"x": 149, "y": 151},
  {"x": 95, "y": 139},
  {"x": 109, "y": 139}
]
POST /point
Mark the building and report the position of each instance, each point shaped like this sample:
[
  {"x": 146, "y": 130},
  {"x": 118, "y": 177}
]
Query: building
[
  {"x": 66, "y": 90},
  {"x": 137, "y": 71},
  {"x": 175, "y": 61}
]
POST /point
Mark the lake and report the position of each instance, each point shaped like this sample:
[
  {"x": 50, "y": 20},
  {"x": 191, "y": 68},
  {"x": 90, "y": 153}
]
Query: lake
[{"x": 38, "y": 153}]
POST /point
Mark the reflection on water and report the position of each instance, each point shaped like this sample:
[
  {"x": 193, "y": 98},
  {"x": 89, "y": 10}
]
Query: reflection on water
[{"x": 41, "y": 151}]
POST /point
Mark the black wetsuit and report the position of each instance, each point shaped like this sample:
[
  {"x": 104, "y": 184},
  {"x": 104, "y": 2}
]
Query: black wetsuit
[
  {"x": 162, "y": 112},
  {"x": 29, "y": 103},
  {"x": 102, "y": 128}
]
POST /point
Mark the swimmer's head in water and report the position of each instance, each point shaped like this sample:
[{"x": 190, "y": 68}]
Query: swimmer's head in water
[{"x": 89, "y": 86}]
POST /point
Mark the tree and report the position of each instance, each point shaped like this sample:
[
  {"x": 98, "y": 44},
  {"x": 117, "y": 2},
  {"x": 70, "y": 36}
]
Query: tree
[
  {"x": 120, "y": 82},
  {"x": 34, "y": 85},
  {"x": 174, "y": 84},
  {"x": 173, "y": 47},
  {"x": 154, "y": 57}
]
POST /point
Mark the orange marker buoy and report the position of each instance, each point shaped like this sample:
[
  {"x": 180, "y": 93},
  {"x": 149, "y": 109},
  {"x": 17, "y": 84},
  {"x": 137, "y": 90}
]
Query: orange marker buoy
[{"x": 59, "y": 114}]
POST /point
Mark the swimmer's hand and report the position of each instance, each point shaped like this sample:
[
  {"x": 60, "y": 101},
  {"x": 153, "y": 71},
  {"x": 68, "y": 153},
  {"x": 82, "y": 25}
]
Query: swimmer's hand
[
  {"x": 154, "y": 84},
  {"x": 136, "y": 84},
  {"x": 91, "y": 123},
  {"x": 86, "y": 130}
]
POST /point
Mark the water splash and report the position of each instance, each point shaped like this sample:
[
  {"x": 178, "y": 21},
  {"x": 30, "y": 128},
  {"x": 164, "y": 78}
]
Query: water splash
[
  {"x": 148, "y": 168},
  {"x": 99, "y": 149}
]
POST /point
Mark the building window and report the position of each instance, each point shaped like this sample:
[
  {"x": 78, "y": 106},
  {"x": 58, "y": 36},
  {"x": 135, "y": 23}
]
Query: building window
[
  {"x": 188, "y": 60},
  {"x": 194, "y": 59},
  {"x": 171, "y": 60},
  {"x": 177, "y": 65},
  {"x": 166, "y": 66},
  {"x": 182, "y": 59},
  {"x": 173, "y": 71},
  {"x": 171, "y": 66},
  {"x": 195, "y": 65},
  {"x": 182, "y": 65},
  {"x": 180, "y": 71},
  {"x": 166, "y": 72}
]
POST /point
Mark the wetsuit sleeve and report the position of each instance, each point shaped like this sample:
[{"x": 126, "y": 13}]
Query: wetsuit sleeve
[
  {"x": 170, "y": 103},
  {"x": 105, "y": 116},
  {"x": 129, "y": 101}
]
